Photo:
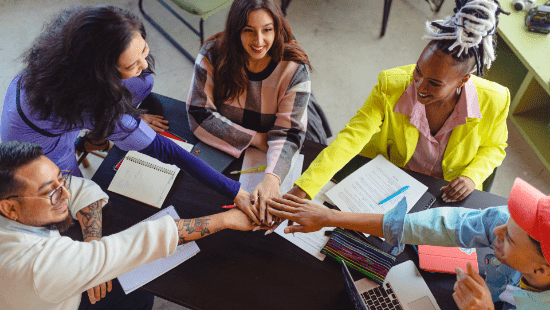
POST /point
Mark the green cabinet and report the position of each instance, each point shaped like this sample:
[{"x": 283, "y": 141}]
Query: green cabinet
[{"x": 523, "y": 65}]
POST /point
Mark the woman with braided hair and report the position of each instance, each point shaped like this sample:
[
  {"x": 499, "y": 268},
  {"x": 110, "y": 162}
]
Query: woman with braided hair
[{"x": 437, "y": 117}]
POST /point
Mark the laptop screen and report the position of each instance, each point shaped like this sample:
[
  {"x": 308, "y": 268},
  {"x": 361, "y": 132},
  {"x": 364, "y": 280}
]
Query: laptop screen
[{"x": 352, "y": 289}]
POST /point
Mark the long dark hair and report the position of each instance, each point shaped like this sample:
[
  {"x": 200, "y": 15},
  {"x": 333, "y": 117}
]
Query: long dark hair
[
  {"x": 229, "y": 56},
  {"x": 71, "y": 71}
]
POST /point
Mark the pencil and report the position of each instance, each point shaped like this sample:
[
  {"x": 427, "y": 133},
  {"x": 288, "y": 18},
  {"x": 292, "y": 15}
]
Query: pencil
[{"x": 249, "y": 170}]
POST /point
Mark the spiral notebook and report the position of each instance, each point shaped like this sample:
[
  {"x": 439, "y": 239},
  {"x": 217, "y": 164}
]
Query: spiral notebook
[{"x": 144, "y": 179}]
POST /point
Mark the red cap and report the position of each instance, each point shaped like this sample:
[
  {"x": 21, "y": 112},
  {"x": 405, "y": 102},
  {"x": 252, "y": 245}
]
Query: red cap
[{"x": 530, "y": 209}]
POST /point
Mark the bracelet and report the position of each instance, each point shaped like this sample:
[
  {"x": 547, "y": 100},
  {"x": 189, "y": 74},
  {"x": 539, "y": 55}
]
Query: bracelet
[
  {"x": 106, "y": 143},
  {"x": 98, "y": 144}
]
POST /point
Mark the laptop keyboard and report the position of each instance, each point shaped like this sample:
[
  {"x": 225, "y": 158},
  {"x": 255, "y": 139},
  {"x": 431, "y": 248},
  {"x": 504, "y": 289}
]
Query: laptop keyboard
[{"x": 381, "y": 298}]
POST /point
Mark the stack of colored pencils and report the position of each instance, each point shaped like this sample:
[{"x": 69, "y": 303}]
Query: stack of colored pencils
[{"x": 359, "y": 254}]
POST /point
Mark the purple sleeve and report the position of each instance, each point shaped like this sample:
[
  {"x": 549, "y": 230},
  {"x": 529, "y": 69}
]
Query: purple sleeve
[
  {"x": 168, "y": 152},
  {"x": 131, "y": 134},
  {"x": 139, "y": 86}
]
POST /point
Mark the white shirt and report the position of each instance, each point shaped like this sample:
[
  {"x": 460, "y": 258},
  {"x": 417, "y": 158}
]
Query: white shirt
[{"x": 39, "y": 269}]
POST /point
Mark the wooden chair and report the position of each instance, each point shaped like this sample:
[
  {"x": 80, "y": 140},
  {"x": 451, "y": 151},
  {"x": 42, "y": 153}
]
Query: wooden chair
[{"x": 82, "y": 153}]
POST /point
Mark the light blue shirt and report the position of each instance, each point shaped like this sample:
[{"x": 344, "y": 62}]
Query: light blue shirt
[{"x": 467, "y": 228}]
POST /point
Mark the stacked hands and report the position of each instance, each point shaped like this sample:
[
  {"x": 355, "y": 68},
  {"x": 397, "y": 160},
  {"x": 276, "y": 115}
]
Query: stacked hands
[
  {"x": 255, "y": 205},
  {"x": 268, "y": 213},
  {"x": 267, "y": 208}
]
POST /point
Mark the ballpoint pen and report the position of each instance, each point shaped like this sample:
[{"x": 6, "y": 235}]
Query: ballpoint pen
[
  {"x": 394, "y": 195},
  {"x": 249, "y": 170},
  {"x": 172, "y": 135},
  {"x": 229, "y": 207}
]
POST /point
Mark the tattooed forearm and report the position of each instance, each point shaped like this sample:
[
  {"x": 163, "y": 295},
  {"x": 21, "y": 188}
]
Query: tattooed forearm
[
  {"x": 188, "y": 227},
  {"x": 90, "y": 219}
]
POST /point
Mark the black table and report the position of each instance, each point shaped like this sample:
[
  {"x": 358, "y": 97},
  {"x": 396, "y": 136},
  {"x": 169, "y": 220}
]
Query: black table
[{"x": 247, "y": 270}]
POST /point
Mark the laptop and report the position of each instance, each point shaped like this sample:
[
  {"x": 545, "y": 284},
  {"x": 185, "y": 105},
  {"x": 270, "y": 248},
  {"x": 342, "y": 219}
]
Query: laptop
[{"x": 403, "y": 289}]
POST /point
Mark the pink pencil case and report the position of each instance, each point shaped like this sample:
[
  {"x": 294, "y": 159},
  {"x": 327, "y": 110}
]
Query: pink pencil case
[{"x": 445, "y": 259}]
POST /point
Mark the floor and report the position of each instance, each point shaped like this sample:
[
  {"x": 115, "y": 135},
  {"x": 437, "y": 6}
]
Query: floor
[{"x": 339, "y": 36}]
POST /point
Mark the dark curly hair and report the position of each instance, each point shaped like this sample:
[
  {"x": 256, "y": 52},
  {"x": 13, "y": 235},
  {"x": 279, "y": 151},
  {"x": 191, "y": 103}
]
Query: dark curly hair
[
  {"x": 469, "y": 33},
  {"x": 229, "y": 56},
  {"x": 71, "y": 69}
]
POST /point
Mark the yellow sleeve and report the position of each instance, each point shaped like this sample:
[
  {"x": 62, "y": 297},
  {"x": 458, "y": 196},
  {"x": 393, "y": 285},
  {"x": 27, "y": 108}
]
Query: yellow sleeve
[
  {"x": 490, "y": 153},
  {"x": 348, "y": 143}
]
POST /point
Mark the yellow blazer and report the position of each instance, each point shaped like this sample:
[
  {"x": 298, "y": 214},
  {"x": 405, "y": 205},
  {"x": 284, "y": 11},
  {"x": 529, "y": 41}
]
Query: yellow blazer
[{"x": 474, "y": 150}]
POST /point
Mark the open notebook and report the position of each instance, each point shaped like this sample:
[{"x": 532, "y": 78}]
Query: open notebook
[
  {"x": 144, "y": 179},
  {"x": 136, "y": 278}
]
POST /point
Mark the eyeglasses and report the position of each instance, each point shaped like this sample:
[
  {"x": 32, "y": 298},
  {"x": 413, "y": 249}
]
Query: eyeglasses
[{"x": 55, "y": 195}]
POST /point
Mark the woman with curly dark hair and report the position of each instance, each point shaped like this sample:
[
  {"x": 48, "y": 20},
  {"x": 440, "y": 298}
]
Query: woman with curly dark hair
[
  {"x": 251, "y": 87},
  {"x": 88, "y": 69}
]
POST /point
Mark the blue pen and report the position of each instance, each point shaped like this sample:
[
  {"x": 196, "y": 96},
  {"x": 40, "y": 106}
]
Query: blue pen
[{"x": 394, "y": 195}]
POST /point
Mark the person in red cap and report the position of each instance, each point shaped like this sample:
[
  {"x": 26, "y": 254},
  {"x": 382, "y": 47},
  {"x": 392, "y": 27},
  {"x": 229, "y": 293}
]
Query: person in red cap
[{"x": 517, "y": 275}]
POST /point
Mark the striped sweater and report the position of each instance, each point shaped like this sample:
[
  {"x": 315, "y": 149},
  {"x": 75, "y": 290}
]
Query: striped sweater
[{"x": 274, "y": 101}]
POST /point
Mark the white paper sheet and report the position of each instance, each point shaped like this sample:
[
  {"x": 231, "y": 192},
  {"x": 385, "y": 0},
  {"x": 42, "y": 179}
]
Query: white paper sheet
[
  {"x": 321, "y": 196},
  {"x": 254, "y": 158},
  {"x": 184, "y": 145},
  {"x": 312, "y": 242},
  {"x": 144, "y": 274},
  {"x": 364, "y": 189}
]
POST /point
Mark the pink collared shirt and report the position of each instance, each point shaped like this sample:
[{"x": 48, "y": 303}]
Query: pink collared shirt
[{"x": 430, "y": 149}]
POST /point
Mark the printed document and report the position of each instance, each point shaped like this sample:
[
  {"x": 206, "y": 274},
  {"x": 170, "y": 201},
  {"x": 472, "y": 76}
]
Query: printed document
[{"x": 363, "y": 190}]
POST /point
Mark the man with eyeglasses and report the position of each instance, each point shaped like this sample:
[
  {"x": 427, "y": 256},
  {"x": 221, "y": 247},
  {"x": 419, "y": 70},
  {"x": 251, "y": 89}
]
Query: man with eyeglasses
[{"x": 39, "y": 269}]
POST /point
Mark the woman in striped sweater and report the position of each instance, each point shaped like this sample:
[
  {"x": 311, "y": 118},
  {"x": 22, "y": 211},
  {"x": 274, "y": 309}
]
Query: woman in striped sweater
[{"x": 251, "y": 87}]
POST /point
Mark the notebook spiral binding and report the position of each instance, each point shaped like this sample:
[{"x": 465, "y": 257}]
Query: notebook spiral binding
[{"x": 153, "y": 166}]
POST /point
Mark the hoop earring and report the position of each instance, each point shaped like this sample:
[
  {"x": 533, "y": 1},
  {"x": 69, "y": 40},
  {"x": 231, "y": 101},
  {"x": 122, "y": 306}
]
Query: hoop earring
[{"x": 459, "y": 90}]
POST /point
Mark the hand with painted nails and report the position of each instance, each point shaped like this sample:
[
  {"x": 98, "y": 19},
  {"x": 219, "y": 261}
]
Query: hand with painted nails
[
  {"x": 267, "y": 189},
  {"x": 458, "y": 189},
  {"x": 471, "y": 291},
  {"x": 245, "y": 203},
  {"x": 308, "y": 216}
]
